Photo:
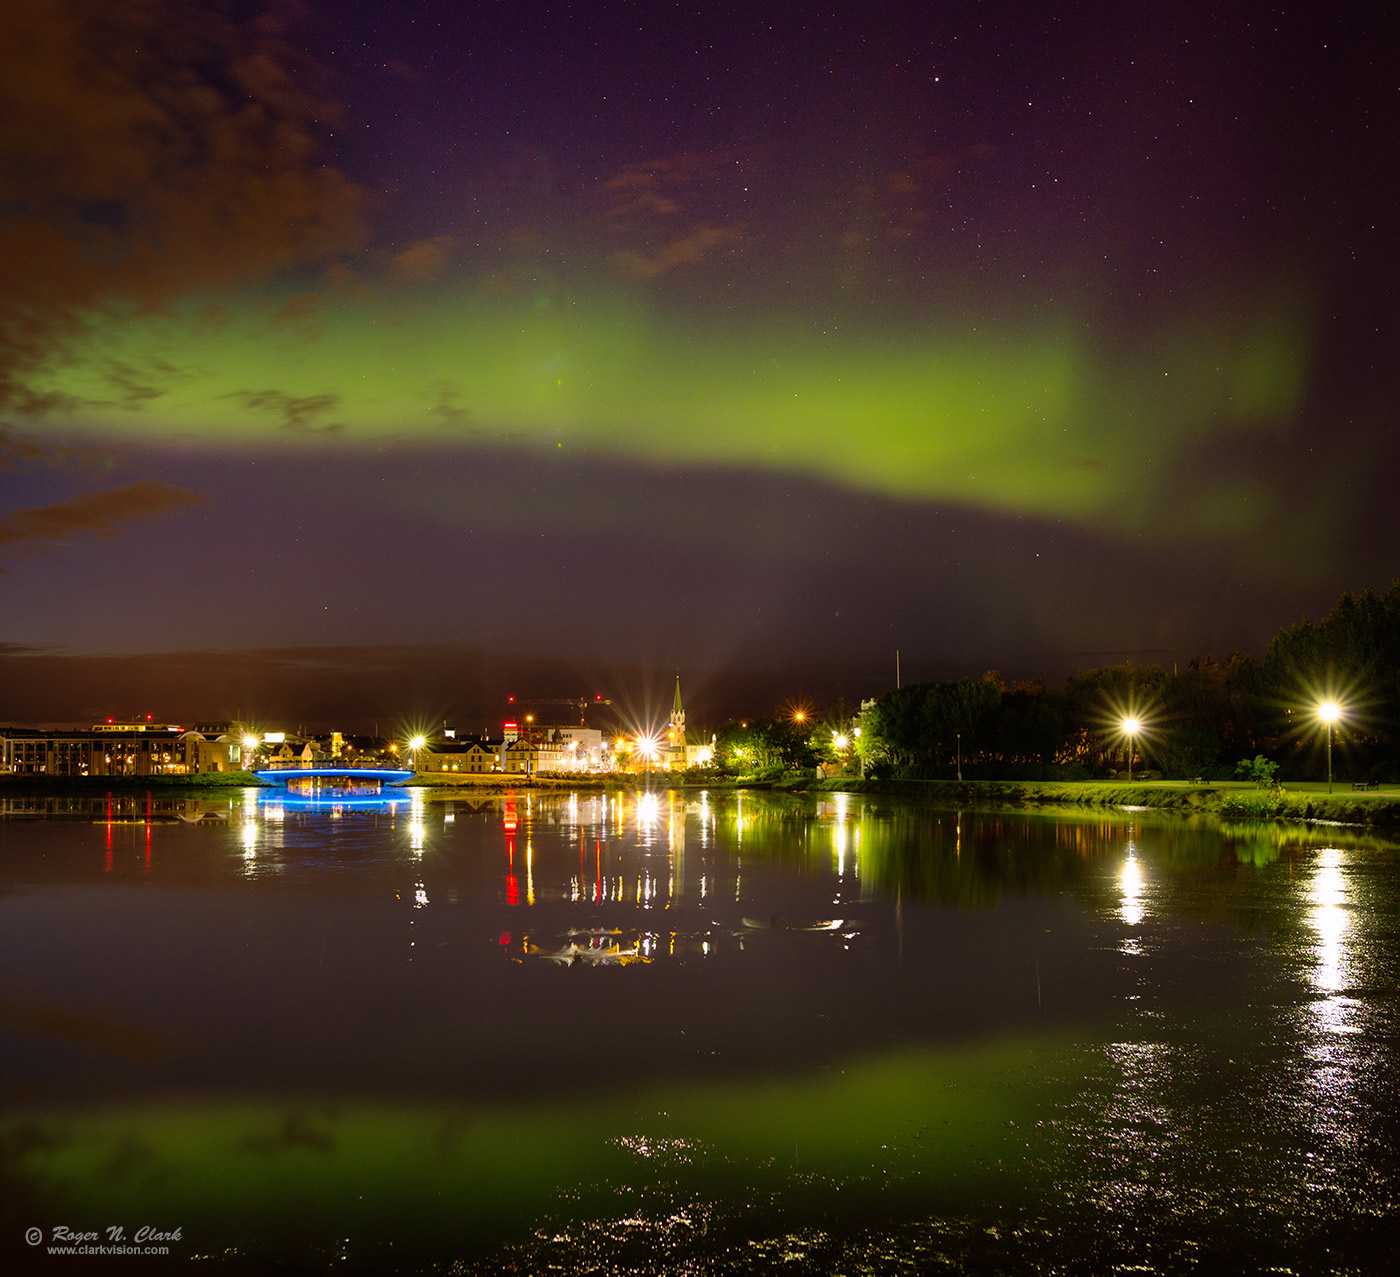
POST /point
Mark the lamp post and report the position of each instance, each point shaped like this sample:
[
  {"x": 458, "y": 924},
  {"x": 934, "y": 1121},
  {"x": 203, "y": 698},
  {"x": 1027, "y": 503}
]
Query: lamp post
[
  {"x": 415, "y": 745},
  {"x": 959, "y": 756},
  {"x": 1329, "y": 712},
  {"x": 1131, "y": 727}
]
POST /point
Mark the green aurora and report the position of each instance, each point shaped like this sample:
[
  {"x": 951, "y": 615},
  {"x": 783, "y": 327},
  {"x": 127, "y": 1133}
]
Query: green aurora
[
  {"x": 1011, "y": 418},
  {"x": 947, "y": 1117}
]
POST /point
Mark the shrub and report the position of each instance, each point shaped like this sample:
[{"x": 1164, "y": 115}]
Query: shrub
[{"x": 1260, "y": 770}]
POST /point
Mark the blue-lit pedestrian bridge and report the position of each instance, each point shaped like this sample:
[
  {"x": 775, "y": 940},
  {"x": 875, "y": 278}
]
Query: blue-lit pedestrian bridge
[{"x": 335, "y": 775}]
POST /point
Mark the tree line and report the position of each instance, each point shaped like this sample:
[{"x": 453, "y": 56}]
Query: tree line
[{"x": 1202, "y": 720}]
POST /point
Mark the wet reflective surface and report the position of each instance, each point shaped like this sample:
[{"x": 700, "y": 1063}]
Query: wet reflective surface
[{"x": 699, "y": 1033}]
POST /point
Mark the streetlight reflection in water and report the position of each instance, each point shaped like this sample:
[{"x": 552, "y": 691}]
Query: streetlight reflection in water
[
  {"x": 1133, "y": 888},
  {"x": 1330, "y": 919}
]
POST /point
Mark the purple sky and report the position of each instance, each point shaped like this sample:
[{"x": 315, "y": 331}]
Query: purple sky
[{"x": 369, "y": 360}]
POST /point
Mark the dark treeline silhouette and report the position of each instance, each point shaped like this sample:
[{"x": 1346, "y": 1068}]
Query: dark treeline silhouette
[{"x": 1200, "y": 720}]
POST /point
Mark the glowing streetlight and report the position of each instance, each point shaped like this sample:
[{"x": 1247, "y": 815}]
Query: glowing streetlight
[
  {"x": 415, "y": 745},
  {"x": 1329, "y": 712},
  {"x": 649, "y": 748},
  {"x": 1131, "y": 728}
]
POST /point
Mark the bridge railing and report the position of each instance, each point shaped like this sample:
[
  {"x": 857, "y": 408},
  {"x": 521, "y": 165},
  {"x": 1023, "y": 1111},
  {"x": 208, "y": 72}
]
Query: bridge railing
[
  {"x": 297, "y": 764},
  {"x": 285, "y": 775}
]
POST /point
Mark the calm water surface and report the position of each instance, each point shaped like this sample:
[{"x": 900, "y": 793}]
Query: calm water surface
[{"x": 695, "y": 1033}]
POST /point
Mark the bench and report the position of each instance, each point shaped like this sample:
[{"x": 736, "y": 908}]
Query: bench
[
  {"x": 1365, "y": 784},
  {"x": 1195, "y": 780}
]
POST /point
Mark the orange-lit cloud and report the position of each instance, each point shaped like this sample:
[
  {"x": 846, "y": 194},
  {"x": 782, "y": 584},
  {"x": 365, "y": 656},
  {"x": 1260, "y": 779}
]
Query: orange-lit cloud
[
  {"x": 423, "y": 262},
  {"x": 687, "y": 250},
  {"x": 98, "y": 514},
  {"x": 20, "y": 449},
  {"x": 151, "y": 150}
]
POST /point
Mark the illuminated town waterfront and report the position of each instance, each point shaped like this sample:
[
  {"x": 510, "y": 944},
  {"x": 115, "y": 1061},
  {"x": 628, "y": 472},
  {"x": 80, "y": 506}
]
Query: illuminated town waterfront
[{"x": 701, "y": 1033}]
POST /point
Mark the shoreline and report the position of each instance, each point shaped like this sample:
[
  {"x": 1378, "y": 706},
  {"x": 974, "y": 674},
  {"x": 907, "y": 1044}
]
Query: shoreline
[{"x": 1224, "y": 800}]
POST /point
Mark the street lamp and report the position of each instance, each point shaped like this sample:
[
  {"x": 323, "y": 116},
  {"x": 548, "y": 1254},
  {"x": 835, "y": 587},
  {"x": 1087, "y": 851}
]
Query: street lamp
[
  {"x": 415, "y": 745},
  {"x": 1329, "y": 712},
  {"x": 1131, "y": 727}
]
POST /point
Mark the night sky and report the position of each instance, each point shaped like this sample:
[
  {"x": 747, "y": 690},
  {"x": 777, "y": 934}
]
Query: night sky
[{"x": 363, "y": 360}]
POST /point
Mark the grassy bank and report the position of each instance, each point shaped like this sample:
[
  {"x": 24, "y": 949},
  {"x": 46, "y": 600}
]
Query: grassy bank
[
  {"x": 202, "y": 782},
  {"x": 1229, "y": 801}
]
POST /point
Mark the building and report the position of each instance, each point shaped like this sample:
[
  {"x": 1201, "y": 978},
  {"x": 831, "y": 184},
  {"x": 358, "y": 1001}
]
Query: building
[
  {"x": 219, "y": 745},
  {"x": 466, "y": 757},
  {"x": 106, "y": 749},
  {"x": 223, "y": 753},
  {"x": 519, "y": 757},
  {"x": 571, "y": 749}
]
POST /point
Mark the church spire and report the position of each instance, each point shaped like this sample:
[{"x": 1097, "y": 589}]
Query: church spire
[{"x": 676, "y": 737}]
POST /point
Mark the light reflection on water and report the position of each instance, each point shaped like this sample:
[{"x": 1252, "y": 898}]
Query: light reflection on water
[
  {"x": 1331, "y": 920},
  {"x": 1131, "y": 910},
  {"x": 726, "y": 1030},
  {"x": 1341, "y": 1054}
]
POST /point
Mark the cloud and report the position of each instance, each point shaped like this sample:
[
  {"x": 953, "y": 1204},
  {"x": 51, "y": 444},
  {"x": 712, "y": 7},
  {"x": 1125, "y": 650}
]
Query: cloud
[
  {"x": 298, "y": 412},
  {"x": 666, "y": 186},
  {"x": 20, "y": 449},
  {"x": 423, "y": 262},
  {"x": 152, "y": 150},
  {"x": 133, "y": 387},
  {"x": 679, "y": 210},
  {"x": 98, "y": 514},
  {"x": 449, "y": 412},
  {"x": 302, "y": 315},
  {"x": 637, "y": 192},
  {"x": 688, "y": 250}
]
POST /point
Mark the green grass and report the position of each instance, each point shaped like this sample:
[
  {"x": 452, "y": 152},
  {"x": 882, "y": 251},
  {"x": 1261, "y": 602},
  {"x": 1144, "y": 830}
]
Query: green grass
[
  {"x": 126, "y": 784},
  {"x": 1227, "y": 799}
]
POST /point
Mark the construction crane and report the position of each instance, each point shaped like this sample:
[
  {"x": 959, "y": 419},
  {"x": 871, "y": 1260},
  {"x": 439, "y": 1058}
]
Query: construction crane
[{"x": 580, "y": 703}]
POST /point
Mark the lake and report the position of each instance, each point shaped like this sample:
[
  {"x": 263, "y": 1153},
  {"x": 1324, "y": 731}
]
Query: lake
[{"x": 689, "y": 1032}]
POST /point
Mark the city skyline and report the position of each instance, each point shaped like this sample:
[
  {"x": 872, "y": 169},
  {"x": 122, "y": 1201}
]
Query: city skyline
[{"x": 402, "y": 361}]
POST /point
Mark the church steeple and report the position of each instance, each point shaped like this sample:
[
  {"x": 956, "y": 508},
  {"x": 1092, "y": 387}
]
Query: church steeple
[{"x": 676, "y": 737}]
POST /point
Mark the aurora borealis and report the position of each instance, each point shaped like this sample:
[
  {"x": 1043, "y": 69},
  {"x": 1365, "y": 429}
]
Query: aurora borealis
[{"x": 399, "y": 340}]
